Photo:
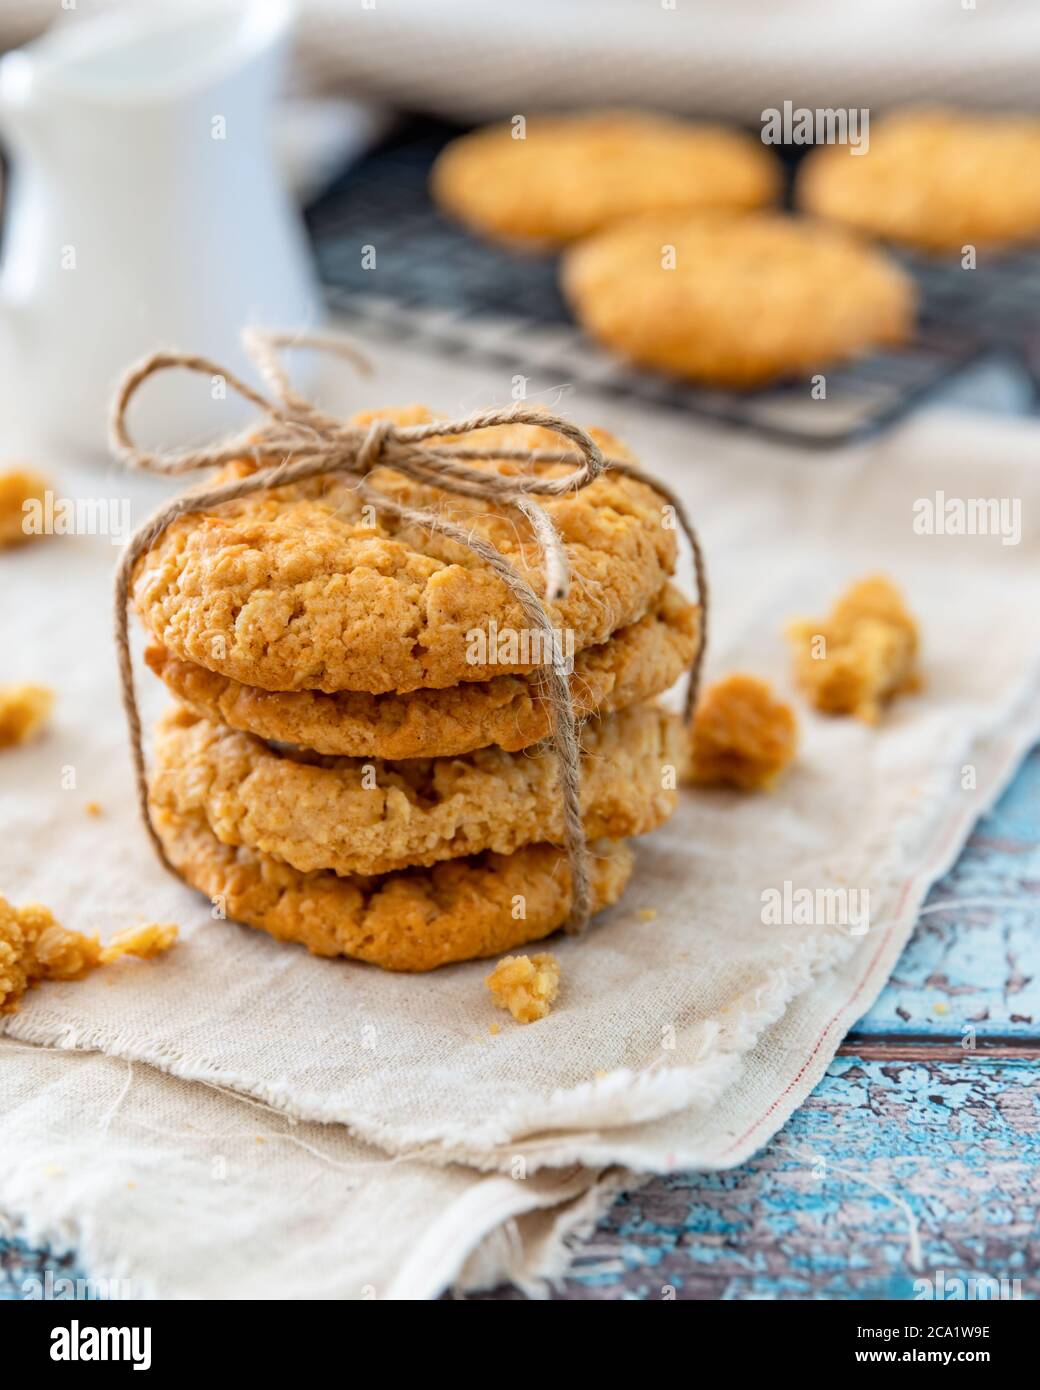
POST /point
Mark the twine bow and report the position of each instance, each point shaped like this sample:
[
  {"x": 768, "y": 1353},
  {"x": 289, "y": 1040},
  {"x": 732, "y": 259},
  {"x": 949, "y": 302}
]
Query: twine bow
[{"x": 298, "y": 441}]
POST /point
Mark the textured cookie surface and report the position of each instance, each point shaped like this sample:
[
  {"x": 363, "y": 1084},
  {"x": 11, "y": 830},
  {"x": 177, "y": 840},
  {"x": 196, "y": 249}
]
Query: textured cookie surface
[
  {"x": 572, "y": 175},
  {"x": 934, "y": 178},
  {"x": 414, "y": 920},
  {"x": 639, "y": 661},
  {"x": 735, "y": 301},
  {"x": 357, "y": 817},
  {"x": 303, "y": 589}
]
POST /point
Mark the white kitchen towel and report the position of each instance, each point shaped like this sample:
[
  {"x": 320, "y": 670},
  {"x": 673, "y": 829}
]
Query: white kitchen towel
[
  {"x": 689, "y": 1025},
  {"x": 474, "y": 61},
  {"x": 165, "y": 1188}
]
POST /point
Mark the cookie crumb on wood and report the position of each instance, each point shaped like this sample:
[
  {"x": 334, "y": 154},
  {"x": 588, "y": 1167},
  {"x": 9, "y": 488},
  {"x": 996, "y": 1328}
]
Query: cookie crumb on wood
[
  {"x": 24, "y": 709},
  {"x": 742, "y": 737},
  {"x": 863, "y": 654},
  {"x": 525, "y": 985},
  {"x": 18, "y": 486},
  {"x": 35, "y": 947}
]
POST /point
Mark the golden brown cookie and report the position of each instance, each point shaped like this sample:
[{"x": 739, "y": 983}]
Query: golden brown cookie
[
  {"x": 735, "y": 301},
  {"x": 302, "y": 589},
  {"x": 862, "y": 654},
  {"x": 638, "y": 662},
  {"x": 573, "y": 174},
  {"x": 938, "y": 179},
  {"x": 417, "y": 919},
  {"x": 357, "y": 817}
]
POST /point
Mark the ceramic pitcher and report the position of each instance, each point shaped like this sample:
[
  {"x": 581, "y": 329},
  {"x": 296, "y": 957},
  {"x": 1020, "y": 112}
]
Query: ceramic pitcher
[{"x": 143, "y": 209}]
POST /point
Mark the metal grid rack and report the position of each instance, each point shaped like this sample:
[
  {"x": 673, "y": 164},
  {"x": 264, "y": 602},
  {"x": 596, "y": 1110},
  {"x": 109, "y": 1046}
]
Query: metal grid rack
[{"x": 437, "y": 285}]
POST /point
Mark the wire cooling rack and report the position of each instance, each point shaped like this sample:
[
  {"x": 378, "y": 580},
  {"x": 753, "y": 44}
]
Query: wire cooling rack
[{"x": 435, "y": 285}]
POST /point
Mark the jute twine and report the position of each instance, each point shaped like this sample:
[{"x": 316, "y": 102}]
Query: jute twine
[{"x": 296, "y": 440}]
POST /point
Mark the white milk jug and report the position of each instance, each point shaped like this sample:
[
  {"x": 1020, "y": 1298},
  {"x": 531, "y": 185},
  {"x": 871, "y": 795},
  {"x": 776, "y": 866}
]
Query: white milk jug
[{"x": 144, "y": 210}]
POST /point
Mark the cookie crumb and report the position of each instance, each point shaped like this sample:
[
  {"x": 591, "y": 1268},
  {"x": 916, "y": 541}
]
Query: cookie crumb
[
  {"x": 863, "y": 654},
  {"x": 494, "y": 1029},
  {"x": 742, "y": 737},
  {"x": 35, "y": 947},
  {"x": 24, "y": 709},
  {"x": 146, "y": 941},
  {"x": 647, "y": 914},
  {"x": 93, "y": 808},
  {"x": 18, "y": 486},
  {"x": 525, "y": 985}
]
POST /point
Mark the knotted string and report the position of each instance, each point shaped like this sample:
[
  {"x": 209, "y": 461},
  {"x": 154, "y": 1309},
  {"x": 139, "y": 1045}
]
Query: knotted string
[{"x": 297, "y": 441}]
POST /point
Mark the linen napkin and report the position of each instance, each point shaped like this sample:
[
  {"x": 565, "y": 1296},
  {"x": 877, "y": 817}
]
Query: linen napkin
[{"x": 689, "y": 1025}]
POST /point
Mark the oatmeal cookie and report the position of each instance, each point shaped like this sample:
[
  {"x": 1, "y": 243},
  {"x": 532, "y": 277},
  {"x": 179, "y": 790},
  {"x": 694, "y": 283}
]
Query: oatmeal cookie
[
  {"x": 573, "y": 174},
  {"x": 302, "y": 588},
  {"x": 736, "y": 301},
  {"x": 635, "y": 664},
  {"x": 861, "y": 655},
  {"x": 356, "y": 817},
  {"x": 935, "y": 178},
  {"x": 414, "y": 920}
]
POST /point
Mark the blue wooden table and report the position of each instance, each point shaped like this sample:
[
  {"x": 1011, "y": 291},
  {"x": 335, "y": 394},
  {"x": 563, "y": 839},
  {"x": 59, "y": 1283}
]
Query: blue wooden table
[{"x": 923, "y": 1136}]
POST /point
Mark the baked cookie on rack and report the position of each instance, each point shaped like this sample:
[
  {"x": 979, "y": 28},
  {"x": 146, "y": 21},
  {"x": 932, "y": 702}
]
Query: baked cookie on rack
[
  {"x": 736, "y": 301},
  {"x": 554, "y": 179},
  {"x": 933, "y": 178}
]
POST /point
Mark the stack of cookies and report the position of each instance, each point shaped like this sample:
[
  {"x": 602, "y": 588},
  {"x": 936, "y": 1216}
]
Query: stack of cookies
[{"x": 358, "y": 759}]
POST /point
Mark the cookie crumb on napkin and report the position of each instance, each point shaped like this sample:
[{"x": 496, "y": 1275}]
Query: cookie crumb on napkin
[
  {"x": 18, "y": 486},
  {"x": 742, "y": 736},
  {"x": 35, "y": 947},
  {"x": 861, "y": 655},
  {"x": 525, "y": 985},
  {"x": 24, "y": 709}
]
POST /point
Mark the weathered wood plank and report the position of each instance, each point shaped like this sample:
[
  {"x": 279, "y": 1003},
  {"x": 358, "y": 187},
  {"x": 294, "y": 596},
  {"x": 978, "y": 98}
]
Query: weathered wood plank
[
  {"x": 825, "y": 1210},
  {"x": 924, "y": 1047},
  {"x": 974, "y": 964}
]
